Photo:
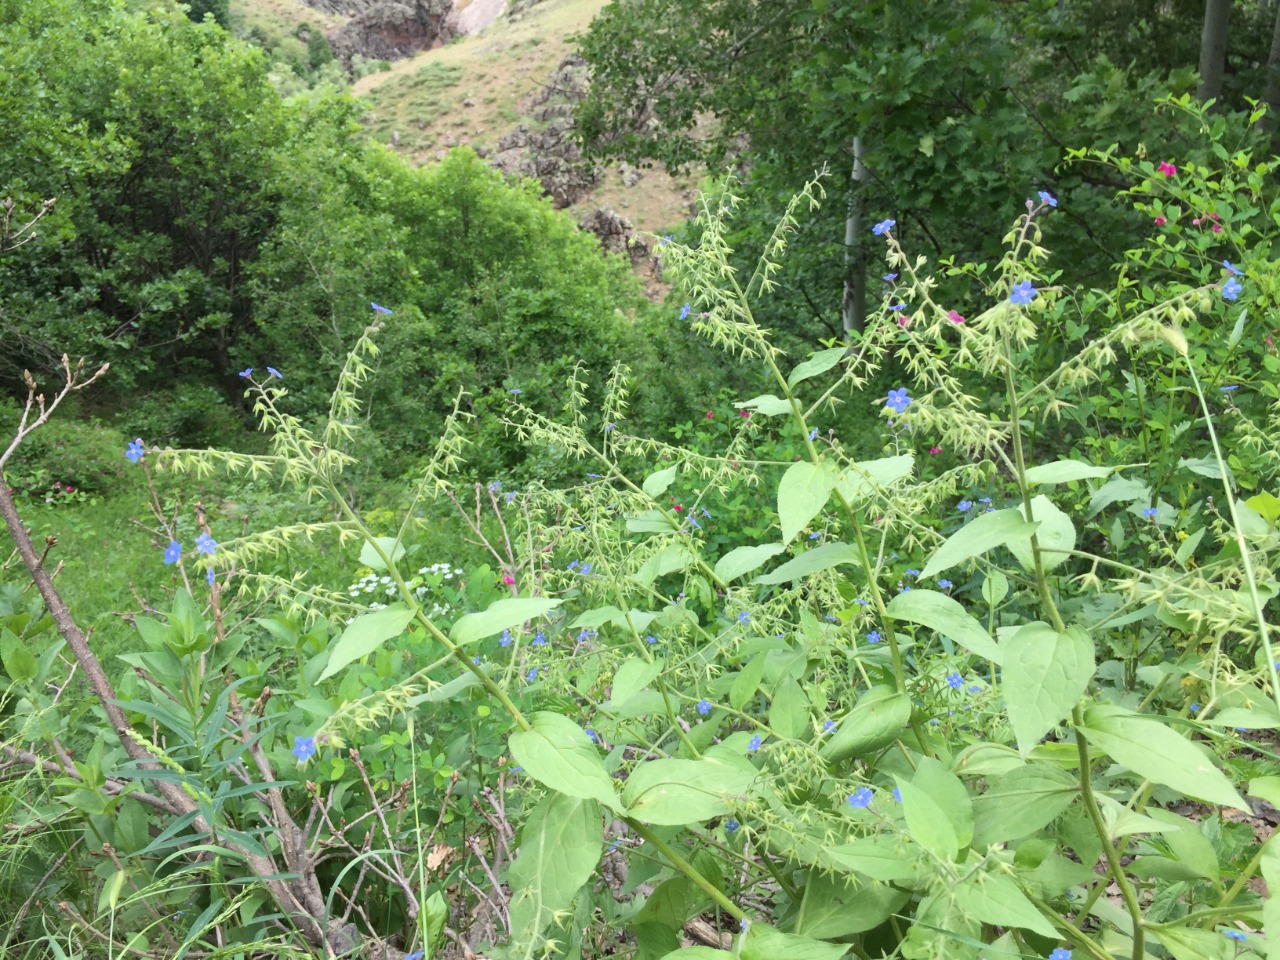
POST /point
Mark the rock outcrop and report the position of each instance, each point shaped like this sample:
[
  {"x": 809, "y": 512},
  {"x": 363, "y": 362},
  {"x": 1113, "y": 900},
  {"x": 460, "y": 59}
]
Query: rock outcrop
[
  {"x": 616, "y": 233},
  {"x": 390, "y": 30},
  {"x": 550, "y": 155}
]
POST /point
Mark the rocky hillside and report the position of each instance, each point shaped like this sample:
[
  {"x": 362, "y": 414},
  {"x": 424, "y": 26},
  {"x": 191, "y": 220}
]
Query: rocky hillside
[{"x": 501, "y": 78}]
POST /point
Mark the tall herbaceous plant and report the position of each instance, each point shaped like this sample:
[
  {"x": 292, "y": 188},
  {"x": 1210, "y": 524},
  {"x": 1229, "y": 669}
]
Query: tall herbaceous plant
[{"x": 996, "y": 682}]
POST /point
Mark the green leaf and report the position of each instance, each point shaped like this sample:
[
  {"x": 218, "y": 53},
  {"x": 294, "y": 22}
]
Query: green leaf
[
  {"x": 1055, "y": 534},
  {"x": 1045, "y": 674},
  {"x": 789, "y": 710},
  {"x": 559, "y": 754},
  {"x": 671, "y": 559},
  {"x": 764, "y": 942},
  {"x": 767, "y": 405},
  {"x": 500, "y": 615},
  {"x": 946, "y": 790},
  {"x": 944, "y": 615},
  {"x": 365, "y": 634},
  {"x": 865, "y": 478},
  {"x": 997, "y": 900},
  {"x": 1065, "y": 471},
  {"x": 1118, "y": 490},
  {"x": 927, "y": 822},
  {"x": 803, "y": 492},
  {"x": 747, "y": 681},
  {"x": 820, "y": 362},
  {"x": 699, "y": 953},
  {"x": 655, "y": 485},
  {"x": 832, "y": 908},
  {"x": 742, "y": 560},
  {"x": 1267, "y": 506},
  {"x": 1018, "y": 803},
  {"x": 596, "y": 617},
  {"x": 877, "y": 859},
  {"x": 811, "y": 561},
  {"x": 1185, "y": 943},
  {"x": 679, "y": 792},
  {"x": 1271, "y": 905},
  {"x": 447, "y": 691},
  {"x": 988, "y": 531},
  {"x": 389, "y": 545},
  {"x": 632, "y": 677},
  {"x": 19, "y": 662},
  {"x": 651, "y": 521},
  {"x": 1237, "y": 331},
  {"x": 559, "y": 848},
  {"x": 875, "y": 722},
  {"x": 1266, "y": 788},
  {"x": 1153, "y": 751},
  {"x": 1189, "y": 847}
]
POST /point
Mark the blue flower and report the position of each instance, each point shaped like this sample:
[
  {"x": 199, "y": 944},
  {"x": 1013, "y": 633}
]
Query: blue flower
[
  {"x": 1022, "y": 293},
  {"x": 898, "y": 307},
  {"x": 861, "y": 797},
  {"x": 574, "y": 565},
  {"x": 1060, "y": 954},
  {"x": 898, "y": 400},
  {"x": 380, "y": 309},
  {"x": 1234, "y": 935},
  {"x": 1048, "y": 198},
  {"x": 650, "y": 638},
  {"x": 505, "y": 639},
  {"x": 593, "y": 476},
  {"x": 609, "y": 426},
  {"x": 974, "y": 688},
  {"x": 984, "y": 499},
  {"x": 913, "y": 573},
  {"x": 813, "y": 434},
  {"x": 1228, "y": 389},
  {"x": 495, "y": 486},
  {"x": 210, "y": 576},
  {"x": 704, "y": 513},
  {"x": 173, "y": 552},
  {"x": 862, "y": 602},
  {"x": 1231, "y": 289},
  {"x": 591, "y": 735},
  {"x": 883, "y": 227},
  {"x": 206, "y": 544},
  {"x": 873, "y": 636},
  {"x": 416, "y": 955},
  {"x": 945, "y": 584},
  {"x": 275, "y": 373},
  {"x": 1230, "y": 268},
  {"x": 1150, "y": 512},
  {"x": 890, "y": 277},
  {"x": 511, "y": 495},
  {"x": 964, "y": 506},
  {"x": 955, "y": 681},
  {"x": 897, "y": 794},
  {"x": 539, "y": 639},
  {"x": 684, "y": 311},
  {"x": 662, "y": 243},
  {"x": 515, "y": 391},
  {"x": 829, "y": 726},
  {"x": 586, "y": 568},
  {"x": 532, "y": 674},
  {"x": 247, "y": 372},
  {"x": 731, "y": 825},
  {"x": 704, "y": 706},
  {"x": 754, "y": 744},
  {"x": 135, "y": 451},
  {"x": 743, "y": 616},
  {"x": 1194, "y": 708},
  {"x": 304, "y": 748}
]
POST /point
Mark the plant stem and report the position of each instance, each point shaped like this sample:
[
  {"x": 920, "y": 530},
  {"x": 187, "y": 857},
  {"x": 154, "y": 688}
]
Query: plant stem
[
  {"x": 1095, "y": 814},
  {"x": 685, "y": 867}
]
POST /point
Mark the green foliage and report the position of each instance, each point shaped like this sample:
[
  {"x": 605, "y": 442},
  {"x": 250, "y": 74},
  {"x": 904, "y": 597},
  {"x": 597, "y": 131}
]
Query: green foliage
[{"x": 86, "y": 455}]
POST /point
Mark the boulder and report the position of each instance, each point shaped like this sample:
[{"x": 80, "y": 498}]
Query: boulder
[
  {"x": 616, "y": 233},
  {"x": 392, "y": 30}
]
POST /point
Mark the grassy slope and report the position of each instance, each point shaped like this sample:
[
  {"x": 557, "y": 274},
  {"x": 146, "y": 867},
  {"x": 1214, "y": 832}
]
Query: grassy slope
[{"x": 500, "y": 70}]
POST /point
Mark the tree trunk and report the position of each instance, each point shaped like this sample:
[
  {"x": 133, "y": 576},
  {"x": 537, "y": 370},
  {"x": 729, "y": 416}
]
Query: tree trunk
[
  {"x": 1213, "y": 48},
  {"x": 853, "y": 310}
]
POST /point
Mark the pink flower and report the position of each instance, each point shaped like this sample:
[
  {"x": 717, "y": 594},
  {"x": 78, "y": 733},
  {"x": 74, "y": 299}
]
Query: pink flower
[
  {"x": 935, "y": 450},
  {"x": 955, "y": 317},
  {"x": 1167, "y": 168},
  {"x": 508, "y": 580},
  {"x": 678, "y": 507},
  {"x": 1161, "y": 221},
  {"x": 1217, "y": 228},
  {"x": 745, "y": 413},
  {"x": 710, "y": 414},
  {"x": 1195, "y": 222},
  {"x": 904, "y": 321}
]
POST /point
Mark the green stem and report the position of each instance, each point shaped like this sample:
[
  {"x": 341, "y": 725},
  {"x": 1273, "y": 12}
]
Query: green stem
[
  {"x": 1095, "y": 814},
  {"x": 685, "y": 867}
]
